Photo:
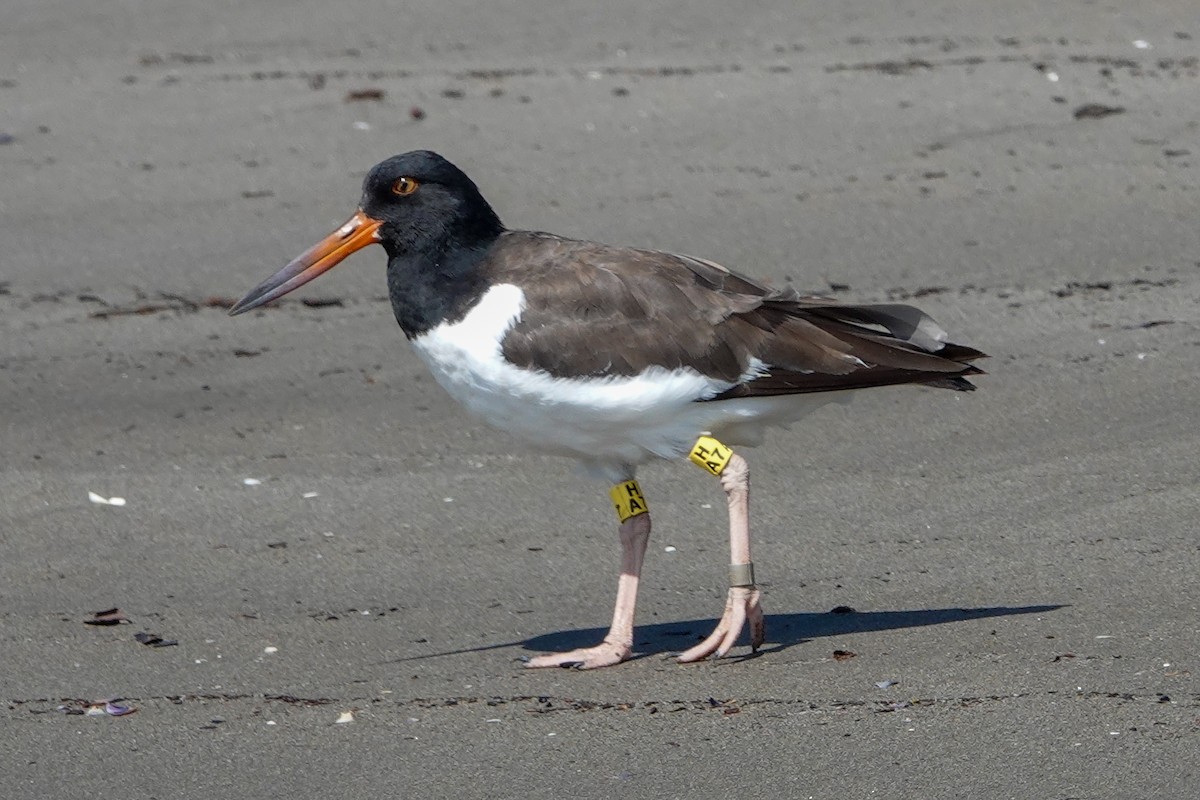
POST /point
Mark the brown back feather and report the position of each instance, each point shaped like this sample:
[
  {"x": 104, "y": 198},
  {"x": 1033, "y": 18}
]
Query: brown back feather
[{"x": 596, "y": 310}]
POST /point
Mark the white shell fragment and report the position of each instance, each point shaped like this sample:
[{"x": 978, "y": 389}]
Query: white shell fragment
[
  {"x": 251, "y": 481},
  {"x": 344, "y": 717},
  {"x": 106, "y": 501}
]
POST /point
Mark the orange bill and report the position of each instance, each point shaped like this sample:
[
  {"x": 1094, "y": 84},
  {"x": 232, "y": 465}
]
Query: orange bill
[{"x": 358, "y": 232}]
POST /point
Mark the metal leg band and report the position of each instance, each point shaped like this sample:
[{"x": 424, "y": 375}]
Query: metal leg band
[{"x": 741, "y": 575}]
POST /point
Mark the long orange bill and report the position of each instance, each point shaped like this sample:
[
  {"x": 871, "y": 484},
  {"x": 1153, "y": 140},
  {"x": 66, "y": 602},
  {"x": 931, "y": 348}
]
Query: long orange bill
[{"x": 358, "y": 232}]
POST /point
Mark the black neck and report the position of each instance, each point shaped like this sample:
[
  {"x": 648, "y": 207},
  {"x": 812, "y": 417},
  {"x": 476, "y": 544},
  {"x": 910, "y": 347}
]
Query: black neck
[
  {"x": 440, "y": 281},
  {"x": 434, "y": 260}
]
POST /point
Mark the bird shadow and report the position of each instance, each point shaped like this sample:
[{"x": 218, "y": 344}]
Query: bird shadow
[{"x": 783, "y": 630}]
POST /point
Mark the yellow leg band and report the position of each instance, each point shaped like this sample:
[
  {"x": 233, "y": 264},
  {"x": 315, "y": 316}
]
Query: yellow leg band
[
  {"x": 627, "y": 499},
  {"x": 707, "y": 453}
]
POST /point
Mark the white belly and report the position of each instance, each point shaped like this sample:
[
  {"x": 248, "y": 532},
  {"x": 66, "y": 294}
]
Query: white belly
[{"x": 605, "y": 422}]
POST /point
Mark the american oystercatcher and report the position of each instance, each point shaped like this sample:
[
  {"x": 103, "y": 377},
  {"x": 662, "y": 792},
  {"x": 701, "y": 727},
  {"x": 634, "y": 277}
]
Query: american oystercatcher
[{"x": 616, "y": 356}]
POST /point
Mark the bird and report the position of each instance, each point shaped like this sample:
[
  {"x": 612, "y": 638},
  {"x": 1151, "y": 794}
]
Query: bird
[{"x": 617, "y": 356}]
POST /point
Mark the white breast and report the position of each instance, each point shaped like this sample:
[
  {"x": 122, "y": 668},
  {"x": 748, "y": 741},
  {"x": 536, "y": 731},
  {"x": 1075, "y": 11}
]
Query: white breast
[{"x": 605, "y": 422}]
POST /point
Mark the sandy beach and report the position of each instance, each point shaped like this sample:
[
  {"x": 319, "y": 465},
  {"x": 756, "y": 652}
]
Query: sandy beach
[{"x": 984, "y": 595}]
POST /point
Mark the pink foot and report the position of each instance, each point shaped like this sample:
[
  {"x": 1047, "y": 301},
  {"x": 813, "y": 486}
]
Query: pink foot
[
  {"x": 742, "y": 606},
  {"x": 604, "y": 654}
]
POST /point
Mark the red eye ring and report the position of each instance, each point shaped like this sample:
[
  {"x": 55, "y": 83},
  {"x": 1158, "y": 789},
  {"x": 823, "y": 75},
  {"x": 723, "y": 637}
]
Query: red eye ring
[{"x": 405, "y": 186}]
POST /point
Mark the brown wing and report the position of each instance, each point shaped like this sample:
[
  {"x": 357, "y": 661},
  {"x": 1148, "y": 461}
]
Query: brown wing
[{"x": 596, "y": 310}]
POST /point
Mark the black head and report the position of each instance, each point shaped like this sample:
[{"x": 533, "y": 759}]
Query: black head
[
  {"x": 425, "y": 212},
  {"x": 425, "y": 205}
]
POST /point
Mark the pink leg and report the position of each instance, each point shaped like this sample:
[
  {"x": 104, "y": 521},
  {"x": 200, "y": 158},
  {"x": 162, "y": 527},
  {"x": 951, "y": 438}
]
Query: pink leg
[
  {"x": 618, "y": 645},
  {"x": 742, "y": 604}
]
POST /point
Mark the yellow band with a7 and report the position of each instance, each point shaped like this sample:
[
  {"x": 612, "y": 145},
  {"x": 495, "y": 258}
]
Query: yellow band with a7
[
  {"x": 709, "y": 454},
  {"x": 628, "y": 500}
]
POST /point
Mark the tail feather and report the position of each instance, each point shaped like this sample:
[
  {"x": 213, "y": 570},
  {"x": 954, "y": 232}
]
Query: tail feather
[{"x": 879, "y": 345}]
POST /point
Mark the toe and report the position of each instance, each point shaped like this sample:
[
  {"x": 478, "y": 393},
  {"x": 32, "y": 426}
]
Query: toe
[
  {"x": 742, "y": 608},
  {"x": 705, "y": 648},
  {"x": 735, "y": 628},
  {"x": 758, "y": 627},
  {"x": 604, "y": 655}
]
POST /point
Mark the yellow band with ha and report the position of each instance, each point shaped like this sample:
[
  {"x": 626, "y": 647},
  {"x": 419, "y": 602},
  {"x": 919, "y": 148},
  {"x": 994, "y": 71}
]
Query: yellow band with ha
[
  {"x": 628, "y": 500},
  {"x": 709, "y": 454}
]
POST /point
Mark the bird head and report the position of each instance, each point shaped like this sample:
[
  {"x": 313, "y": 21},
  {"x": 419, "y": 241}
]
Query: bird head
[{"x": 416, "y": 203}]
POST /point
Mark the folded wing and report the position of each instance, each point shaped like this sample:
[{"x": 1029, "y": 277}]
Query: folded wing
[{"x": 593, "y": 310}]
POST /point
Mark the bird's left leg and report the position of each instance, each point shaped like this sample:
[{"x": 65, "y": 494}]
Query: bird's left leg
[
  {"x": 635, "y": 534},
  {"x": 742, "y": 604}
]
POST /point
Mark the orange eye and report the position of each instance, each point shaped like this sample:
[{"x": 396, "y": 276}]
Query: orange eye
[{"x": 404, "y": 187}]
